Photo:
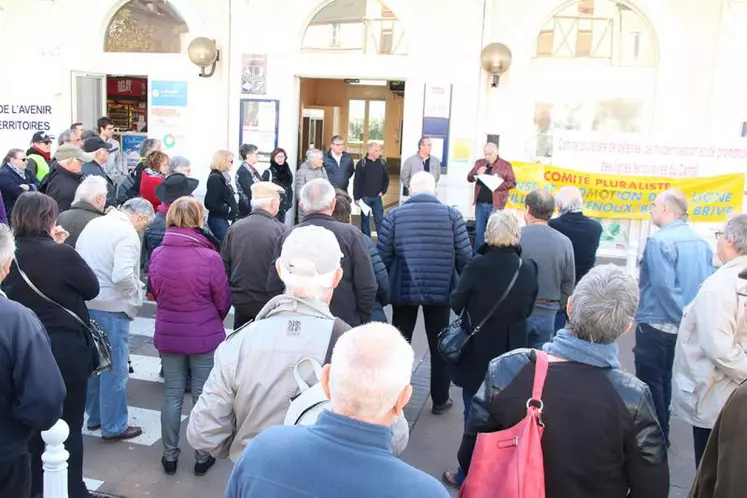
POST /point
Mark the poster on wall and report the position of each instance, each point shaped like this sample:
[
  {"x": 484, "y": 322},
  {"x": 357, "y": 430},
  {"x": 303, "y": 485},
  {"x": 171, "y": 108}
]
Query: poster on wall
[
  {"x": 131, "y": 143},
  {"x": 436, "y": 117},
  {"x": 21, "y": 118},
  {"x": 259, "y": 125},
  {"x": 254, "y": 74},
  {"x": 168, "y": 115}
]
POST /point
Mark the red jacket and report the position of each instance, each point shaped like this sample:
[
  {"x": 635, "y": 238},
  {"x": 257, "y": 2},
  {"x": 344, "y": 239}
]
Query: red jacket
[
  {"x": 148, "y": 184},
  {"x": 500, "y": 168}
]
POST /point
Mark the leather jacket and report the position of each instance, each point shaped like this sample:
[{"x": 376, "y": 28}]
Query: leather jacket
[{"x": 645, "y": 453}]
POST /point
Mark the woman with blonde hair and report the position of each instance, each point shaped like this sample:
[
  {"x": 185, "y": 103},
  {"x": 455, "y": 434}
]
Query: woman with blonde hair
[
  {"x": 220, "y": 198},
  {"x": 189, "y": 283}
]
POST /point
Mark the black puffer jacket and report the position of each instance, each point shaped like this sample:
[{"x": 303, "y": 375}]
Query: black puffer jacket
[
  {"x": 601, "y": 439},
  {"x": 382, "y": 277}
]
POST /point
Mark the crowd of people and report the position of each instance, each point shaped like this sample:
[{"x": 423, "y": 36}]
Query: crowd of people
[{"x": 84, "y": 242}]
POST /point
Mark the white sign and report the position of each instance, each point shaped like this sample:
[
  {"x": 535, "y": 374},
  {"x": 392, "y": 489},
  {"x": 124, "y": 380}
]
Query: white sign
[
  {"x": 437, "y": 101},
  {"x": 638, "y": 155},
  {"x": 20, "y": 120}
]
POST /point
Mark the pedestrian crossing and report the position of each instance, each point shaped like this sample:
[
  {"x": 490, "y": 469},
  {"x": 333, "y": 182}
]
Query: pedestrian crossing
[{"x": 145, "y": 397}]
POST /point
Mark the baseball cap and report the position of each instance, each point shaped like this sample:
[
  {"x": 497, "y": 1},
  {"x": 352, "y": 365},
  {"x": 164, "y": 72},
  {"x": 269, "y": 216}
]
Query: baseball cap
[
  {"x": 310, "y": 251},
  {"x": 68, "y": 151},
  {"x": 41, "y": 136},
  {"x": 95, "y": 143},
  {"x": 266, "y": 190}
]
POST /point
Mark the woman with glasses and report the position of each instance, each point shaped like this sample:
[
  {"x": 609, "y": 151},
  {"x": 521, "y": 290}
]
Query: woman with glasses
[
  {"x": 280, "y": 174},
  {"x": 15, "y": 179}
]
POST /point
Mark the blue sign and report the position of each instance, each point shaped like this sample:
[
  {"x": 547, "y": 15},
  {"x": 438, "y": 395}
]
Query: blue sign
[
  {"x": 131, "y": 149},
  {"x": 168, "y": 93}
]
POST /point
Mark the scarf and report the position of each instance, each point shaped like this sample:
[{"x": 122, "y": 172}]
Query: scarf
[
  {"x": 34, "y": 150},
  {"x": 568, "y": 346},
  {"x": 19, "y": 172}
]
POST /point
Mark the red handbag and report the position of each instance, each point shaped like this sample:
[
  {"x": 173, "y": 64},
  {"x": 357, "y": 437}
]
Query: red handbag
[{"x": 509, "y": 463}]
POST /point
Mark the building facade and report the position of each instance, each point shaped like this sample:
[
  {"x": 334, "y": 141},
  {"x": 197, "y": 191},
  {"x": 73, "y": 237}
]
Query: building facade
[{"x": 665, "y": 69}]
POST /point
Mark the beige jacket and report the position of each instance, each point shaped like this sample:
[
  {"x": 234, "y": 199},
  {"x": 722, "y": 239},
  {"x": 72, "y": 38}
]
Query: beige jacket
[
  {"x": 710, "y": 359},
  {"x": 251, "y": 384}
]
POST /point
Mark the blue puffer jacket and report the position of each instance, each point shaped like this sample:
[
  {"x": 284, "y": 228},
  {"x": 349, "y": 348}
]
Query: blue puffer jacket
[{"x": 424, "y": 245}]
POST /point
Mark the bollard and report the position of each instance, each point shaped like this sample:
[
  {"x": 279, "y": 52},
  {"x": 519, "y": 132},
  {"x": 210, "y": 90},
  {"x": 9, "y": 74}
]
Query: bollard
[{"x": 54, "y": 460}]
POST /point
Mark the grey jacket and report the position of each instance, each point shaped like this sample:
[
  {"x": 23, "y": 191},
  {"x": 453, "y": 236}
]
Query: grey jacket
[
  {"x": 252, "y": 382},
  {"x": 305, "y": 174},
  {"x": 75, "y": 219},
  {"x": 414, "y": 164}
]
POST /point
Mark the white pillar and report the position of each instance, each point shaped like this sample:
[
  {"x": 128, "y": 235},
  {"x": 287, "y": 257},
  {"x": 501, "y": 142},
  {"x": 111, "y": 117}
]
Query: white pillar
[{"x": 54, "y": 460}]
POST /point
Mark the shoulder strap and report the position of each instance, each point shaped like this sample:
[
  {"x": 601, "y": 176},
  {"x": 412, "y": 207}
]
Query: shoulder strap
[
  {"x": 339, "y": 328},
  {"x": 498, "y": 303},
  {"x": 44, "y": 296},
  {"x": 540, "y": 374}
]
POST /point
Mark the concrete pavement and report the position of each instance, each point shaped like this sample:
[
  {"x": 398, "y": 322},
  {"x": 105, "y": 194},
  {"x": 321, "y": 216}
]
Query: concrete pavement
[{"x": 132, "y": 469}]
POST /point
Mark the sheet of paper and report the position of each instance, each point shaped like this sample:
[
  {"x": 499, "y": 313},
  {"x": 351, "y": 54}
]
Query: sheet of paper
[
  {"x": 365, "y": 208},
  {"x": 490, "y": 181}
]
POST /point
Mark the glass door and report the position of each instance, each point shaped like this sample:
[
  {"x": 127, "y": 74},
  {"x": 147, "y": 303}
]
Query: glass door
[
  {"x": 366, "y": 123},
  {"x": 88, "y": 98}
]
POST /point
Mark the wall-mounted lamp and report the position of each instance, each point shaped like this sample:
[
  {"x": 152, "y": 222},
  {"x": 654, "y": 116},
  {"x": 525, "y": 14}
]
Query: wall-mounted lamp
[
  {"x": 495, "y": 59},
  {"x": 204, "y": 53}
]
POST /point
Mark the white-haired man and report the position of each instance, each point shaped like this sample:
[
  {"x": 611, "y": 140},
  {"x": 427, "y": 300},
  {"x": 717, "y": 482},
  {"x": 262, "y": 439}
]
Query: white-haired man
[
  {"x": 31, "y": 386},
  {"x": 353, "y": 301},
  {"x": 346, "y": 453},
  {"x": 486, "y": 200},
  {"x": 710, "y": 359},
  {"x": 424, "y": 245},
  {"x": 111, "y": 246},
  {"x": 675, "y": 263},
  {"x": 65, "y": 175},
  {"x": 583, "y": 232},
  {"x": 248, "y": 251},
  {"x": 252, "y": 379},
  {"x": 88, "y": 204}
]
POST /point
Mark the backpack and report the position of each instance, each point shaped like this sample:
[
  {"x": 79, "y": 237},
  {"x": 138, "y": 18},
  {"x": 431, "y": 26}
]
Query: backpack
[
  {"x": 306, "y": 407},
  {"x": 510, "y": 462}
]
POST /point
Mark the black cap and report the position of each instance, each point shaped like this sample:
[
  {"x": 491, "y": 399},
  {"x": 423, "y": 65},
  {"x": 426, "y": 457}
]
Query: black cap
[
  {"x": 41, "y": 136},
  {"x": 175, "y": 186},
  {"x": 94, "y": 144}
]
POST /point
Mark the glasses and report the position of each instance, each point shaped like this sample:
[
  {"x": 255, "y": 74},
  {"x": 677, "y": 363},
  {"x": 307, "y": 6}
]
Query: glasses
[
  {"x": 718, "y": 234},
  {"x": 338, "y": 144},
  {"x": 23, "y": 159}
]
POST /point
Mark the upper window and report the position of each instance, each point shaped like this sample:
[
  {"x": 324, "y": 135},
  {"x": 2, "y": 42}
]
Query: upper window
[
  {"x": 152, "y": 26},
  {"x": 603, "y": 30},
  {"x": 355, "y": 26}
]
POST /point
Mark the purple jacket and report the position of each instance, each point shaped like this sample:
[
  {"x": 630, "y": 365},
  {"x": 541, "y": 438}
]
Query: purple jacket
[
  {"x": 3, "y": 216},
  {"x": 188, "y": 279}
]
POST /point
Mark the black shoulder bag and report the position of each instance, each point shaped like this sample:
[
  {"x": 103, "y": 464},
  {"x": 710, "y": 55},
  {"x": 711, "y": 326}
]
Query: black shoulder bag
[
  {"x": 100, "y": 340},
  {"x": 453, "y": 340}
]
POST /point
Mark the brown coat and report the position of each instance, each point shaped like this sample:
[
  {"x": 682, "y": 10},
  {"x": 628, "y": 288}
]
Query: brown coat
[
  {"x": 500, "y": 168},
  {"x": 722, "y": 472}
]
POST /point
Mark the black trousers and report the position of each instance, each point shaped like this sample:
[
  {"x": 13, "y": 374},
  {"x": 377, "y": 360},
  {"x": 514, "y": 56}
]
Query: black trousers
[
  {"x": 15, "y": 477},
  {"x": 436, "y": 319},
  {"x": 73, "y": 409}
]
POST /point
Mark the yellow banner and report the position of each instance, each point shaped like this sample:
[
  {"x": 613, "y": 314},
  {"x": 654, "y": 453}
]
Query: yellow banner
[{"x": 711, "y": 198}]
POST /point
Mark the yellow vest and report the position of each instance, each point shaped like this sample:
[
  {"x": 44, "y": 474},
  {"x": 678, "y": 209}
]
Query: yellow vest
[{"x": 42, "y": 168}]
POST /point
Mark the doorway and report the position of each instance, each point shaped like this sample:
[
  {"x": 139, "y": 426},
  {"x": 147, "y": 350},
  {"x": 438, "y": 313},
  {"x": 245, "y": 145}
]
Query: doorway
[
  {"x": 123, "y": 99},
  {"x": 360, "y": 111}
]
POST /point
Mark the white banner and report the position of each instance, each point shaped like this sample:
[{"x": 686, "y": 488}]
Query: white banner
[{"x": 21, "y": 118}]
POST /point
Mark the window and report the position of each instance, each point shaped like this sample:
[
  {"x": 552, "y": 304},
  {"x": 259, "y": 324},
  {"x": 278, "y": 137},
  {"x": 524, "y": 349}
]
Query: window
[
  {"x": 154, "y": 27},
  {"x": 355, "y": 26},
  {"x": 545, "y": 43},
  {"x": 583, "y": 43},
  {"x": 607, "y": 31},
  {"x": 335, "y": 39}
]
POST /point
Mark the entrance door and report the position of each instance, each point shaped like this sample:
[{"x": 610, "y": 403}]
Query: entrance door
[
  {"x": 88, "y": 98},
  {"x": 366, "y": 123}
]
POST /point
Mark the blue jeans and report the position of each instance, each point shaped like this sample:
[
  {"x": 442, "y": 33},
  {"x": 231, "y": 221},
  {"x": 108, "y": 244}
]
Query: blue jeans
[
  {"x": 654, "y": 356},
  {"x": 218, "y": 225},
  {"x": 483, "y": 210},
  {"x": 175, "y": 370},
  {"x": 377, "y": 208},
  {"x": 540, "y": 329},
  {"x": 106, "y": 402},
  {"x": 467, "y": 398},
  {"x": 561, "y": 319}
]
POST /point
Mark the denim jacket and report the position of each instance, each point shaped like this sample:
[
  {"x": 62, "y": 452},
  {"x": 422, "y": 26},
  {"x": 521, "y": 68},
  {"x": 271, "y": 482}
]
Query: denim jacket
[{"x": 675, "y": 263}]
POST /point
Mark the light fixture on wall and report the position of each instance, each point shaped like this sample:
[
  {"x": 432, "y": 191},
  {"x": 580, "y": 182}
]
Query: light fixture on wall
[
  {"x": 204, "y": 53},
  {"x": 495, "y": 59}
]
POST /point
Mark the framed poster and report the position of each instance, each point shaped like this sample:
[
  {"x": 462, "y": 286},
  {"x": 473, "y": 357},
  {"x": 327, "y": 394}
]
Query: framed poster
[
  {"x": 253, "y": 74},
  {"x": 259, "y": 125},
  {"x": 436, "y": 119}
]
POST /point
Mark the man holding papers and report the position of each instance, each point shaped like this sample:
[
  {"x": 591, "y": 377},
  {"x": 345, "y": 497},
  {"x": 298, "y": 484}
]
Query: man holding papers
[
  {"x": 370, "y": 183},
  {"x": 493, "y": 178}
]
